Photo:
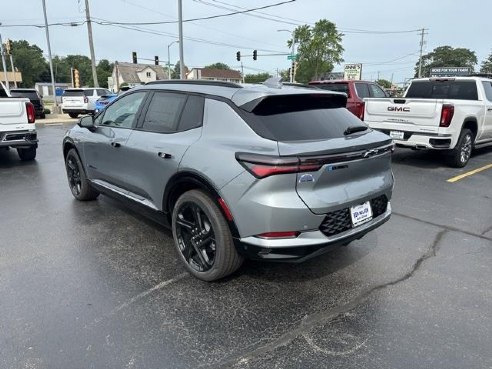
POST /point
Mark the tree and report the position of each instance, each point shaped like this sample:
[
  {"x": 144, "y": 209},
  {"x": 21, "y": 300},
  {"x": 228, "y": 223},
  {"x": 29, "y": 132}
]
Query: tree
[
  {"x": 486, "y": 66},
  {"x": 319, "y": 49},
  {"x": 218, "y": 66},
  {"x": 446, "y": 56},
  {"x": 256, "y": 78},
  {"x": 175, "y": 73},
  {"x": 83, "y": 64},
  {"x": 104, "y": 70},
  {"x": 384, "y": 83},
  {"x": 29, "y": 60}
]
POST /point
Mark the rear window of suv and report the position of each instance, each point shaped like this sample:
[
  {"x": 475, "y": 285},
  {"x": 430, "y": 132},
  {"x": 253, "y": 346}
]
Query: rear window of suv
[
  {"x": 301, "y": 118},
  {"x": 73, "y": 93},
  {"x": 29, "y": 94},
  {"x": 443, "y": 89},
  {"x": 337, "y": 87}
]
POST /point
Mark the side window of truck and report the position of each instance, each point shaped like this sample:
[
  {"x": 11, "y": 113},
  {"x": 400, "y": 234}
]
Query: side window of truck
[{"x": 487, "y": 86}]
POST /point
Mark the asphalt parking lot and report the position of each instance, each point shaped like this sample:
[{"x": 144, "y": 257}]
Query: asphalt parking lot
[{"x": 97, "y": 285}]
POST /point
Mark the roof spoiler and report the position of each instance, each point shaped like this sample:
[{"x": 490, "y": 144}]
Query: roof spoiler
[{"x": 274, "y": 104}]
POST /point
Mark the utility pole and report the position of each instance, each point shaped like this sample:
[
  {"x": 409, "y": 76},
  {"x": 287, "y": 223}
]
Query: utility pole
[
  {"x": 117, "y": 75},
  {"x": 4, "y": 64},
  {"x": 49, "y": 57},
  {"x": 91, "y": 44},
  {"x": 181, "y": 52},
  {"x": 169, "y": 59},
  {"x": 422, "y": 33},
  {"x": 13, "y": 69},
  {"x": 242, "y": 71}
]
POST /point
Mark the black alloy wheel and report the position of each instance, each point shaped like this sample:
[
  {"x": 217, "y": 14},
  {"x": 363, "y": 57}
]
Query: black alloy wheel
[
  {"x": 202, "y": 237},
  {"x": 196, "y": 237},
  {"x": 73, "y": 174},
  {"x": 77, "y": 180}
]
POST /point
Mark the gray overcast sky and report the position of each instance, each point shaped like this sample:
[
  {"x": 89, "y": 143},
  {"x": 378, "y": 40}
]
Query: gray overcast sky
[{"x": 457, "y": 23}]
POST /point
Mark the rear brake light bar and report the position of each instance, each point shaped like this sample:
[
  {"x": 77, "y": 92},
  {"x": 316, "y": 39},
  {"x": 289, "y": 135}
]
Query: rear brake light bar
[{"x": 262, "y": 166}]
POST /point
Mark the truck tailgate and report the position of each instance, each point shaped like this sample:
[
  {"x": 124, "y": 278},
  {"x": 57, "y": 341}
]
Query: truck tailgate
[
  {"x": 13, "y": 111},
  {"x": 404, "y": 114}
]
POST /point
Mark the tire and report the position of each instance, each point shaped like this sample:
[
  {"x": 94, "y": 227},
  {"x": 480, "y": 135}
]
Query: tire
[
  {"x": 460, "y": 155},
  {"x": 43, "y": 116},
  {"x": 77, "y": 180},
  {"x": 196, "y": 216},
  {"x": 73, "y": 115},
  {"x": 27, "y": 154}
]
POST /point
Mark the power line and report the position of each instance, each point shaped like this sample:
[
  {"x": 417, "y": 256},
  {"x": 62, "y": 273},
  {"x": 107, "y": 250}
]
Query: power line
[
  {"x": 173, "y": 35},
  {"x": 202, "y": 18},
  {"x": 198, "y": 24}
]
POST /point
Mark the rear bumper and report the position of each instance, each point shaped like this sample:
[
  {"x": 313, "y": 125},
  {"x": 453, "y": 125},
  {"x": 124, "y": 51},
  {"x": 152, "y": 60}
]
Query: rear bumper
[
  {"x": 421, "y": 140},
  {"x": 307, "y": 244},
  {"x": 19, "y": 139},
  {"x": 77, "y": 111}
]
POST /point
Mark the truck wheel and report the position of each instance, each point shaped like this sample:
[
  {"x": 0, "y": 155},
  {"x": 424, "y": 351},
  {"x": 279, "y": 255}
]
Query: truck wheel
[
  {"x": 202, "y": 237},
  {"x": 73, "y": 115},
  {"x": 27, "y": 154},
  {"x": 77, "y": 180},
  {"x": 460, "y": 155}
]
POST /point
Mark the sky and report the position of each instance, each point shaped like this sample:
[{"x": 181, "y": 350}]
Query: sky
[{"x": 383, "y": 35}]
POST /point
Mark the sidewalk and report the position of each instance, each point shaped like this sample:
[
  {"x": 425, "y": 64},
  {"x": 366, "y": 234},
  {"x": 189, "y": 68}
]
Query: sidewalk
[{"x": 56, "y": 119}]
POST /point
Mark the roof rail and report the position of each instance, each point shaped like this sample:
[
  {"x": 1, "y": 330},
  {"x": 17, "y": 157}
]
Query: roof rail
[{"x": 204, "y": 82}]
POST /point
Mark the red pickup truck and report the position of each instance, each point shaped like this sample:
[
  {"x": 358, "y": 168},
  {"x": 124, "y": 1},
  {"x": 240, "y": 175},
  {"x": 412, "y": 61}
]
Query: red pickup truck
[{"x": 356, "y": 92}]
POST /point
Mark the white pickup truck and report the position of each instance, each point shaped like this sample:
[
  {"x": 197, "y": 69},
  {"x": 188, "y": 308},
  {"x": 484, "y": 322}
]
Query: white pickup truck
[
  {"x": 449, "y": 114},
  {"x": 17, "y": 129}
]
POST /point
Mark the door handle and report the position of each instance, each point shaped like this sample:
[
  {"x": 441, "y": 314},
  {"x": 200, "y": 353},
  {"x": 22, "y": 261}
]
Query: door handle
[
  {"x": 489, "y": 109},
  {"x": 115, "y": 144},
  {"x": 164, "y": 155}
]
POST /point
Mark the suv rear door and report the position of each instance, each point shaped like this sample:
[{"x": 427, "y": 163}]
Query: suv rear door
[
  {"x": 170, "y": 123},
  {"x": 346, "y": 165},
  {"x": 73, "y": 98},
  {"x": 106, "y": 154}
]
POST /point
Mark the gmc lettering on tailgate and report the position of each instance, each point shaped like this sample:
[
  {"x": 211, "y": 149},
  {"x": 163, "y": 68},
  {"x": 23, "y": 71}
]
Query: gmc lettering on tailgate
[{"x": 399, "y": 108}]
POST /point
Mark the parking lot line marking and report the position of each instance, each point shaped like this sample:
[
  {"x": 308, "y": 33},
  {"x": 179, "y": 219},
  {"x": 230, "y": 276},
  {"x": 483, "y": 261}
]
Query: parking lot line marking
[{"x": 470, "y": 173}]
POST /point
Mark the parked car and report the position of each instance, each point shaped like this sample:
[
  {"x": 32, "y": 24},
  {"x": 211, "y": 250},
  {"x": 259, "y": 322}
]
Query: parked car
[
  {"x": 76, "y": 101},
  {"x": 104, "y": 101},
  {"x": 237, "y": 171},
  {"x": 33, "y": 96},
  {"x": 453, "y": 115},
  {"x": 356, "y": 92},
  {"x": 17, "y": 128}
]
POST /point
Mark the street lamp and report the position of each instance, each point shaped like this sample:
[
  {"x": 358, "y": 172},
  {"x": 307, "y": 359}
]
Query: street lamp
[
  {"x": 169, "y": 59},
  {"x": 292, "y": 52}
]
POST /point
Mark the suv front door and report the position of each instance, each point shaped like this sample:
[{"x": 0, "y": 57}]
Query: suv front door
[
  {"x": 170, "y": 124},
  {"x": 105, "y": 150}
]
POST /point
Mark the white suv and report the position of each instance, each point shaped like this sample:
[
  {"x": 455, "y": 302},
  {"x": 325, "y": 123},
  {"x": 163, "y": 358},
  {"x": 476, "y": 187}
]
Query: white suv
[{"x": 77, "y": 101}]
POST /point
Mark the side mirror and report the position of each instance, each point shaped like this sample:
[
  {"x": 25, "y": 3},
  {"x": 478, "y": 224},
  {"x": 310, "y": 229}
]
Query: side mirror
[{"x": 87, "y": 122}]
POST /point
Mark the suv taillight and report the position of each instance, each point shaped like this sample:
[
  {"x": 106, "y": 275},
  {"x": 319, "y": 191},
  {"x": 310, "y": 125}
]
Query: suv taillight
[
  {"x": 86, "y": 99},
  {"x": 447, "y": 113},
  {"x": 262, "y": 166},
  {"x": 31, "y": 113},
  {"x": 360, "y": 110}
]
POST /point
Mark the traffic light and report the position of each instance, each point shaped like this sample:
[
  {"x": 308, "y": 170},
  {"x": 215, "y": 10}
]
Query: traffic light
[
  {"x": 8, "y": 47},
  {"x": 238, "y": 56},
  {"x": 255, "y": 54},
  {"x": 134, "y": 57},
  {"x": 156, "y": 60},
  {"x": 76, "y": 78}
]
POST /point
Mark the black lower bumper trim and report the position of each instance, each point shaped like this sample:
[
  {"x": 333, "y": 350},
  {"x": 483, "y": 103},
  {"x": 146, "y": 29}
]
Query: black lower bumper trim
[{"x": 297, "y": 254}]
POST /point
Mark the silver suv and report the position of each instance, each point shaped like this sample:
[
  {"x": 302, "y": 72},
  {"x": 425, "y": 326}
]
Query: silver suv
[{"x": 237, "y": 171}]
